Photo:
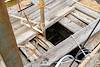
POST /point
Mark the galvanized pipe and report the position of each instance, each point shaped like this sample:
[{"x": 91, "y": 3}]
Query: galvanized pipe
[{"x": 8, "y": 46}]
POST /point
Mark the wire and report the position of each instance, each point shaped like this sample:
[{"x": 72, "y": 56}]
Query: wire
[
  {"x": 86, "y": 41},
  {"x": 59, "y": 62},
  {"x": 79, "y": 45},
  {"x": 91, "y": 33},
  {"x": 96, "y": 46}
]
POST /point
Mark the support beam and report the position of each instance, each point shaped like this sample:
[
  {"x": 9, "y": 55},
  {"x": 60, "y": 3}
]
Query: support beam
[
  {"x": 8, "y": 46},
  {"x": 67, "y": 23},
  {"x": 89, "y": 58},
  {"x": 69, "y": 44},
  {"x": 42, "y": 20}
]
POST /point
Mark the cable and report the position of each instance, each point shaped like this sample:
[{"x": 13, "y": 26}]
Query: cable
[
  {"x": 86, "y": 41},
  {"x": 79, "y": 45},
  {"x": 91, "y": 33},
  {"x": 96, "y": 46},
  {"x": 59, "y": 62}
]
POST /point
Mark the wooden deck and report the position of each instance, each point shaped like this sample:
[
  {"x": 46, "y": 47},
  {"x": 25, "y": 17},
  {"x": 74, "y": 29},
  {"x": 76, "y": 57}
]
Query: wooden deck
[{"x": 73, "y": 16}]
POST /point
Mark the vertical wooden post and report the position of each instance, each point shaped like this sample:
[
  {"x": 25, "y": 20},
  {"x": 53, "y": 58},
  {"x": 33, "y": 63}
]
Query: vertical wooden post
[
  {"x": 42, "y": 21},
  {"x": 8, "y": 46}
]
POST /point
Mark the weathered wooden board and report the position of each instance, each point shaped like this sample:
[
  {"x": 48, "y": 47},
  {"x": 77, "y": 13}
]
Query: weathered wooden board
[
  {"x": 30, "y": 51},
  {"x": 93, "y": 41},
  {"x": 76, "y": 20},
  {"x": 58, "y": 16},
  {"x": 82, "y": 17},
  {"x": 55, "y": 12},
  {"x": 87, "y": 11},
  {"x": 82, "y": 35},
  {"x": 17, "y": 25},
  {"x": 92, "y": 4},
  {"x": 50, "y": 12},
  {"x": 68, "y": 44},
  {"x": 70, "y": 25},
  {"x": 25, "y": 34}
]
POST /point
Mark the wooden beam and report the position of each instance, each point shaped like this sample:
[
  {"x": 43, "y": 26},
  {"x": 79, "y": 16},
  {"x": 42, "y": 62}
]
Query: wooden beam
[
  {"x": 60, "y": 16},
  {"x": 90, "y": 56},
  {"x": 69, "y": 44},
  {"x": 8, "y": 46},
  {"x": 42, "y": 16},
  {"x": 82, "y": 18},
  {"x": 70, "y": 25},
  {"x": 87, "y": 11},
  {"x": 76, "y": 20}
]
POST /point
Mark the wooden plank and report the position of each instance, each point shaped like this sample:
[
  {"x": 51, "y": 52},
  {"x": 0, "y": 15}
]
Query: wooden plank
[
  {"x": 58, "y": 16},
  {"x": 70, "y": 2},
  {"x": 13, "y": 11},
  {"x": 23, "y": 32},
  {"x": 82, "y": 35},
  {"x": 36, "y": 14},
  {"x": 38, "y": 47},
  {"x": 76, "y": 20},
  {"x": 87, "y": 11},
  {"x": 93, "y": 5},
  {"x": 13, "y": 20},
  {"x": 25, "y": 37},
  {"x": 17, "y": 25},
  {"x": 82, "y": 17},
  {"x": 89, "y": 57},
  {"x": 70, "y": 25},
  {"x": 28, "y": 11},
  {"x": 62, "y": 12},
  {"x": 35, "y": 8},
  {"x": 49, "y": 44},
  {"x": 60, "y": 50},
  {"x": 30, "y": 51},
  {"x": 68, "y": 44},
  {"x": 55, "y": 4},
  {"x": 93, "y": 41},
  {"x": 48, "y": 8},
  {"x": 43, "y": 44},
  {"x": 49, "y": 13}
]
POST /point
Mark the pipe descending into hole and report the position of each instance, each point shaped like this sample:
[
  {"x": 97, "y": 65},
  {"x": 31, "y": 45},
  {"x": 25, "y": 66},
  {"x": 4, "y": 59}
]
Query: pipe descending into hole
[{"x": 8, "y": 46}]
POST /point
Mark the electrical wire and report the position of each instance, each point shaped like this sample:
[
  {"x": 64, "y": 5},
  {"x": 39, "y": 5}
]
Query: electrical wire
[
  {"x": 59, "y": 62},
  {"x": 78, "y": 45},
  {"x": 91, "y": 33},
  {"x": 86, "y": 41},
  {"x": 96, "y": 46}
]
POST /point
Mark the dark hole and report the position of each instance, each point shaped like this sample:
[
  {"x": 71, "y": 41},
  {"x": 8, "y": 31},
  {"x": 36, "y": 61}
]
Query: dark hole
[
  {"x": 80, "y": 55},
  {"x": 57, "y": 33},
  {"x": 74, "y": 52}
]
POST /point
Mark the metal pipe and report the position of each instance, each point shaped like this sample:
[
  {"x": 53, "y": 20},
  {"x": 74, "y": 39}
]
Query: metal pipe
[{"x": 8, "y": 46}]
